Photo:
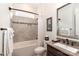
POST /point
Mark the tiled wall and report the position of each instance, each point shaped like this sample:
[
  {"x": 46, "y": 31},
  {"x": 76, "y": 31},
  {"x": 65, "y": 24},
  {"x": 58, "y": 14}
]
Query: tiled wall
[{"x": 24, "y": 32}]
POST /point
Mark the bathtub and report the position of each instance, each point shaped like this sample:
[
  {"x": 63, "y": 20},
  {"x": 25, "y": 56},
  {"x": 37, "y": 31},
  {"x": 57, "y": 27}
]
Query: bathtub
[{"x": 25, "y": 48}]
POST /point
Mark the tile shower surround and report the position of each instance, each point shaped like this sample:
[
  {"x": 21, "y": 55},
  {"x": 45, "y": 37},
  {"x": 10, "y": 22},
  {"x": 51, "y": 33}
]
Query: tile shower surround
[{"x": 24, "y": 32}]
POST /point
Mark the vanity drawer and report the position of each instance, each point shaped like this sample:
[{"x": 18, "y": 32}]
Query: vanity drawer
[{"x": 54, "y": 52}]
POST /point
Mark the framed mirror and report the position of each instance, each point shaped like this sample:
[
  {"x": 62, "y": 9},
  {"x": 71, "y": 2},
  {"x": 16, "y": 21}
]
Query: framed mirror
[{"x": 67, "y": 20}]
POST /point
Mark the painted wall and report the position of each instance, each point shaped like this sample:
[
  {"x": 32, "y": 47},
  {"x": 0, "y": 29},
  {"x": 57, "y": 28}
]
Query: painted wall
[
  {"x": 4, "y": 15},
  {"x": 25, "y": 6},
  {"x": 4, "y": 20},
  {"x": 45, "y": 11}
]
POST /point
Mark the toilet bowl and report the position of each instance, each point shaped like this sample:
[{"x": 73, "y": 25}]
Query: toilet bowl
[{"x": 40, "y": 51}]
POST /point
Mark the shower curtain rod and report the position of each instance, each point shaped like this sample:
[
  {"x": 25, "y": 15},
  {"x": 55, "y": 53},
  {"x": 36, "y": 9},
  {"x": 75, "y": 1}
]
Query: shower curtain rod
[{"x": 22, "y": 11}]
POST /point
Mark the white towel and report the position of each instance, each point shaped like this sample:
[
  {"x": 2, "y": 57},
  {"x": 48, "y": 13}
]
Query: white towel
[
  {"x": 8, "y": 38},
  {"x": 1, "y": 42}
]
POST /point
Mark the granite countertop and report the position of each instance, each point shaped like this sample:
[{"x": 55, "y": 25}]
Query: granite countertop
[{"x": 64, "y": 50}]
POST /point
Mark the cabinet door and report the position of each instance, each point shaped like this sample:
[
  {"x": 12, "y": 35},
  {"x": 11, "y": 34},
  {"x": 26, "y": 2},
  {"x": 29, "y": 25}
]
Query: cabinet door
[{"x": 51, "y": 51}]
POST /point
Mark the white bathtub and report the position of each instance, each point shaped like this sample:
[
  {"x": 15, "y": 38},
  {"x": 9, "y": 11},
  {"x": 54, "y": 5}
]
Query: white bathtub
[{"x": 25, "y": 48}]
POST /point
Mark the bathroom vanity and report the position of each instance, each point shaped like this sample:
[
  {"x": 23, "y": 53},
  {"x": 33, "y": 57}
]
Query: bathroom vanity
[
  {"x": 51, "y": 51},
  {"x": 61, "y": 49},
  {"x": 68, "y": 30}
]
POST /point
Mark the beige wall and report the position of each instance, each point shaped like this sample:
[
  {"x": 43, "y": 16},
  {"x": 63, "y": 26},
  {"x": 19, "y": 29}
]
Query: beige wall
[
  {"x": 25, "y": 6},
  {"x": 45, "y": 11},
  {"x": 4, "y": 15}
]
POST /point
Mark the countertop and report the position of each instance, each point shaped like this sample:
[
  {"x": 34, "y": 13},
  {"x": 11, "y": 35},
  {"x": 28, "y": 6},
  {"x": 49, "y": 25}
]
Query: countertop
[{"x": 64, "y": 50}]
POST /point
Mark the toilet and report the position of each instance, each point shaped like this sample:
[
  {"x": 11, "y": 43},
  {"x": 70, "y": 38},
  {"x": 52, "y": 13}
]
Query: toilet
[{"x": 40, "y": 51}]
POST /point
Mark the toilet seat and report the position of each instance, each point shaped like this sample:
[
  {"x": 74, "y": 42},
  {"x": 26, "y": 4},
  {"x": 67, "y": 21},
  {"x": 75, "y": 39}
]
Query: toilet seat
[{"x": 40, "y": 50}]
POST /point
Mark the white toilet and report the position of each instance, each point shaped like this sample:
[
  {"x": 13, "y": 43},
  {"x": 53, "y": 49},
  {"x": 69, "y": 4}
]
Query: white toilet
[{"x": 39, "y": 51}]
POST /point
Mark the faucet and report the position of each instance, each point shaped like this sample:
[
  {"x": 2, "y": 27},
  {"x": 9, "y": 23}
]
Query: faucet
[{"x": 67, "y": 41}]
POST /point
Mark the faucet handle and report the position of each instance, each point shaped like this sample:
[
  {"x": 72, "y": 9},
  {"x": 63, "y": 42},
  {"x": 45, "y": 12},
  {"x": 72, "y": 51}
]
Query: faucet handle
[{"x": 67, "y": 41}]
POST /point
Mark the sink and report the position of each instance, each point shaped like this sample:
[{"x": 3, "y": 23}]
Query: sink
[{"x": 66, "y": 47}]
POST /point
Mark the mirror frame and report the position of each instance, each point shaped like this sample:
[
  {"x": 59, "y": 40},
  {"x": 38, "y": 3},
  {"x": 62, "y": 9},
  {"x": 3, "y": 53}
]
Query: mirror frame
[{"x": 58, "y": 23}]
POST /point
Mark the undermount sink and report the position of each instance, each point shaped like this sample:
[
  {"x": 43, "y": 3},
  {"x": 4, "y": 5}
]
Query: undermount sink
[{"x": 68, "y": 48}]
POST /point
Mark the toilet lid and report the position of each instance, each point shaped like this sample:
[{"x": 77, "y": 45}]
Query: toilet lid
[{"x": 40, "y": 49}]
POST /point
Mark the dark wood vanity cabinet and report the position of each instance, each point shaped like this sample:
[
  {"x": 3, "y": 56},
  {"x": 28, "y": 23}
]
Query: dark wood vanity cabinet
[{"x": 51, "y": 51}]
